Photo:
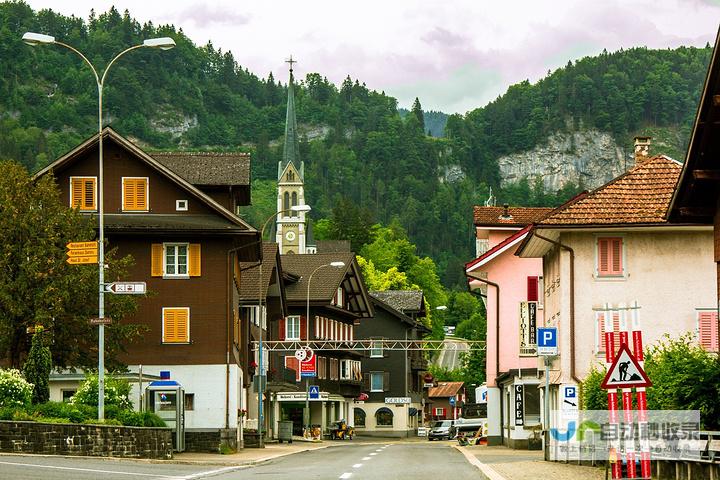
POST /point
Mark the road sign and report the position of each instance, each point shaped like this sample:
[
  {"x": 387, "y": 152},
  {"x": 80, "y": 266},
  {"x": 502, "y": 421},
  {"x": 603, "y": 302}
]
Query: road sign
[
  {"x": 308, "y": 367},
  {"x": 304, "y": 353},
  {"x": 100, "y": 321},
  {"x": 82, "y": 252},
  {"x": 452, "y": 401},
  {"x": 625, "y": 372},
  {"x": 314, "y": 392},
  {"x": 547, "y": 341},
  {"x": 82, "y": 260},
  {"x": 126, "y": 288},
  {"x": 570, "y": 401},
  {"x": 81, "y": 245}
]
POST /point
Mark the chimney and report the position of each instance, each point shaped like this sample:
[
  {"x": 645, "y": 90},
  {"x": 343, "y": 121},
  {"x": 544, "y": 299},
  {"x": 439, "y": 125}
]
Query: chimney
[
  {"x": 506, "y": 212},
  {"x": 642, "y": 149}
]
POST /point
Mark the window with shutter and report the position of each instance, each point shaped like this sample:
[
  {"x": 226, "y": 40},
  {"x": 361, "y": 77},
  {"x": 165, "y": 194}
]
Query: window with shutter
[
  {"x": 135, "y": 194},
  {"x": 176, "y": 325},
  {"x": 176, "y": 260},
  {"x": 83, "y": 193},
  {"x": 610, "y": 257},
  {"x": 708, "y": 329},
  {"x": 292, "y": 363},
  {"x": 292, "y": 328}
]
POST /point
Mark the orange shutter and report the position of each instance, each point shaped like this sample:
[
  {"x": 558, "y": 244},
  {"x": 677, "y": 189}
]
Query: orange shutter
[
  {"x": 194, "y": 259},
  {"x": 135, "y": 194},
  {"x": 603, "y": 256},
  {"x": 76, "y": 192},
  {"x": 156, "y": 260},
  {"x": 128, "y": 194},
  {"x": 169, "y": 326},
  {"x": 89, "y": 198},
  {"x": 183, "y": 325},
  {"x": 601, "y": 331},
  {"x": 176, "y": 325},
  {"x": 616, "y": 249},
  {"x": 708, "y": 330}
]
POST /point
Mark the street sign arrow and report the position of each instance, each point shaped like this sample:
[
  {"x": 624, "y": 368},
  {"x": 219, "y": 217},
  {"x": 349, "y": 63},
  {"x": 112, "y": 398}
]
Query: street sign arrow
[
  {"x": 81, "y": 260},
  {"x": 127, "y": 288},
  {"x": 84, "y": 252},
  {"x": 80, "y": 245}
]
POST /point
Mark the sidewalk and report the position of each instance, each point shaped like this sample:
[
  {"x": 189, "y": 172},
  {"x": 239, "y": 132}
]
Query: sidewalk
[{"x": 502, "y": 463}]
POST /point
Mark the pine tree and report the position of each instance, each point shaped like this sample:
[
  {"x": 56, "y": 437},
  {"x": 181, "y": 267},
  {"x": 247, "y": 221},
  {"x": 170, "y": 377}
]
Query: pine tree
[
  {"x": 37, "y": 368},
  {"x": 418, "y": 112}
]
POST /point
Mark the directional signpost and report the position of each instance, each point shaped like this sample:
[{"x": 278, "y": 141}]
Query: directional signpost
[
  {"x": 82, "y": 253},
  {"x": 126, "y": 288}
]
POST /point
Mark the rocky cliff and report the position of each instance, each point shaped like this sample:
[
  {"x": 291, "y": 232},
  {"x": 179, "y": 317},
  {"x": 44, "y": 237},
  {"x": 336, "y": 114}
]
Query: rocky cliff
[{"x": 589, "y": 157}]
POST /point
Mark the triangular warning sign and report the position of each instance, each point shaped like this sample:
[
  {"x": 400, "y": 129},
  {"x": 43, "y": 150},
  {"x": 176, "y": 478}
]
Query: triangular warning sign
[{"x": 625, "y": 372}]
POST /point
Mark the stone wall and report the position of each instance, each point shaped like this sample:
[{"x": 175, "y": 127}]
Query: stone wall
[
  {"x": 86, "y": 440},
  {"x": 210, "y": 441}
]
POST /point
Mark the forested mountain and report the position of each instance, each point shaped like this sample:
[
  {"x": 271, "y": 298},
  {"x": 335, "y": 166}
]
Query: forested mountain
[{"x": 358, "y": 150}]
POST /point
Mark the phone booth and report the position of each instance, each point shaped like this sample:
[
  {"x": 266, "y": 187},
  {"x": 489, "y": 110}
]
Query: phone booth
[{"x": 166, "y": 399}]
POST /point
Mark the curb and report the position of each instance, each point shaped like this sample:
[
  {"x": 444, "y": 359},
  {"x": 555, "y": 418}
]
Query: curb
[{"x": 486, "y": 469}]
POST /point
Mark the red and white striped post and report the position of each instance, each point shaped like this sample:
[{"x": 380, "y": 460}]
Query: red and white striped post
[
  {"x": 613, "y": 419},
  {"x": 645, "y": 469}
]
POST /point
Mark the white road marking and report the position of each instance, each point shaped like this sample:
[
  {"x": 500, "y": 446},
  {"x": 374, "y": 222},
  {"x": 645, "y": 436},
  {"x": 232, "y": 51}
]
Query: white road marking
[
  {"x": 53, "y": 467},
  {"x": 357, "y": 465},
  {"x": 373, "y": 454},
  {"x": 489, "y": 472},
  {"x": 366, "y": 458},
  {"x": 379, "y": 450},
  {"x": 209, "y": 473},
  {"x": 346, "y": 475}
]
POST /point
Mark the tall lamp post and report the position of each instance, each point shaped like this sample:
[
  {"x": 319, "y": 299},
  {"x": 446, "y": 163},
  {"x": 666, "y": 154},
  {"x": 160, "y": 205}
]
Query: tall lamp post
[
  {"x": 307, "y": 336},
  {"x": 261, "y": 316},
  {"x": 163, "y": 43}
]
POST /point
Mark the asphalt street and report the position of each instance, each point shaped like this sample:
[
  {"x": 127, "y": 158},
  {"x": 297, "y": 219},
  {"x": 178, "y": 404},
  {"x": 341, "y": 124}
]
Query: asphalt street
[
  {"x": 353, "y": 461},
  {"x": 450, "y": 355}
]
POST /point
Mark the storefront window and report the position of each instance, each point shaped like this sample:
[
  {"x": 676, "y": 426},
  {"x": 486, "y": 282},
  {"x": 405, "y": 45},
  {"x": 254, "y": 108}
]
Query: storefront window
[
  {"x": 384, "y": 417},
  {"x": 359, "y": 417}
]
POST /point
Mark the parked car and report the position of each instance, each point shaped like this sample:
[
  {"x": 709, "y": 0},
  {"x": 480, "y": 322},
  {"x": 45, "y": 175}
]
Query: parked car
[
  {"x": 440, "y": 429},
  {"x": 468, "y": 426}
]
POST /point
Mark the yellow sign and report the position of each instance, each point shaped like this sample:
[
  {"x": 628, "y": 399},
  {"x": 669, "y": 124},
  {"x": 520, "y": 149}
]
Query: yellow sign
[
  {"x": 85, "y": 252},
  {"x": 82, "y": 260},
  {"x": 81, "y": 245}
]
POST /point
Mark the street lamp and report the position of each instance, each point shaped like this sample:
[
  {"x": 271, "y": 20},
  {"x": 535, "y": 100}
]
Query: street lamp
[
  {"x": 163, "y": 43},
  {"x": 307, "y": 336},
  {"x": 296, "y": 209}
]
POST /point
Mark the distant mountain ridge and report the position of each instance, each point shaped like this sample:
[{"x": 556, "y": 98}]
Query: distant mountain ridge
[{"x": 358, "y": 146}]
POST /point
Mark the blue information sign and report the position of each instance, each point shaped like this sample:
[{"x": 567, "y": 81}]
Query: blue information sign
[{"x": 314, "y": 392}]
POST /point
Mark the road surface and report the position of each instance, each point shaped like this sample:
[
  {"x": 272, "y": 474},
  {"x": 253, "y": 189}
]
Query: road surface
[{"x": 449, "y": 356}]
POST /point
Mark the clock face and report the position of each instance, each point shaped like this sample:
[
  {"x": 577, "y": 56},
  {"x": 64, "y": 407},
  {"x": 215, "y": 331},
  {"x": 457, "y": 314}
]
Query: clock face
[{"x": 290, "y": 236}]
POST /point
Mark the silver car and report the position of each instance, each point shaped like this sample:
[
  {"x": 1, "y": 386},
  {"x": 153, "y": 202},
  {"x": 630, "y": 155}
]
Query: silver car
[{"x": 440, "y": 429}]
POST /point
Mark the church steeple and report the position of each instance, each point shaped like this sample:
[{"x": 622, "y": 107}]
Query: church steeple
[
  {"x": 291, "y": 151},
  {"x": 291, "y": 226}
]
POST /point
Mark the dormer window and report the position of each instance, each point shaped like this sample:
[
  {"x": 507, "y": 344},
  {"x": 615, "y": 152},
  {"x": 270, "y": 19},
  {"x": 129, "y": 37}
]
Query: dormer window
[
  {"x": 83, "y": 193},
  {"x": 135, "y": 194}
]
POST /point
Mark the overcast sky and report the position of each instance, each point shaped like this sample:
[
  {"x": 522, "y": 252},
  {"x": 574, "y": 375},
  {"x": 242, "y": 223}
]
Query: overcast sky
[{"x": 455, "y": 55}]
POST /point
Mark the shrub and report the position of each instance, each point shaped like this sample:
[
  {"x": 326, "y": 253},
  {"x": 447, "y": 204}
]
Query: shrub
[
  {"x": 15, "y": 391},
  {"x": 37, "y": 368},
  {"x": 107, "y": 421},
  {"x": 74, "y": 413},
  {"x": 593, "y": 397},
  {"x": 117, "y": 392},
  {"x": 8, "y": 413},
  {"x": 152, "y": 420}
]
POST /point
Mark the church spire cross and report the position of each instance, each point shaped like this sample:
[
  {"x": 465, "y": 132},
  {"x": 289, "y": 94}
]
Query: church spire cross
[{"x": 291, "y": 61}]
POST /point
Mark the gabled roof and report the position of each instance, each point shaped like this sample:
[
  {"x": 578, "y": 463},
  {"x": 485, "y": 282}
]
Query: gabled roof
[
  {"x": 406, "y": 301},
  {"x": 251, "y": 287},
  {"x": 395, "y": 312},
  {"x": 445, "y": 389},
  {"x": 326, "y": 280},
  {"x": 519, "y": 216},
  {"x": 110, "y": 134},
  {"x": 640, "y": 196},
  {"x": 695, "y": 199},
  {"x": 498, "y": 249},
  {"x": 208, "y": 168}
]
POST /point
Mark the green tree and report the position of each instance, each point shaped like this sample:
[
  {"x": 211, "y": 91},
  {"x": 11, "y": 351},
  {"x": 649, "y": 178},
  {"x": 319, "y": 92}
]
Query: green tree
[
  {"x": 418, "y": 112},
  {"x": 37, "y": 368},
  {"x": 38, "y": 287}
]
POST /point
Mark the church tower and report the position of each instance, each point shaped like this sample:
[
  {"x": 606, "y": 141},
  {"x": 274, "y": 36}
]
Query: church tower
[{"x": 291, "y": 227}]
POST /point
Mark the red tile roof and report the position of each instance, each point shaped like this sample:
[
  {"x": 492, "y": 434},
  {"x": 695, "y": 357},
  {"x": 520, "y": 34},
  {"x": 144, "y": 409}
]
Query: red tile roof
[
  {"x": 519, "y": 216},
  {"x": 639, "y": 196},
  {"x": 445, "y": 389},
  {"x": 499, "y": 248}
]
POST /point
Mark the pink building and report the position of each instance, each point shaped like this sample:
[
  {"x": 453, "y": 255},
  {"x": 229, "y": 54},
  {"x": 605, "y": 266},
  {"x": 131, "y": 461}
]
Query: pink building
[{"x": 510, "y": 287}]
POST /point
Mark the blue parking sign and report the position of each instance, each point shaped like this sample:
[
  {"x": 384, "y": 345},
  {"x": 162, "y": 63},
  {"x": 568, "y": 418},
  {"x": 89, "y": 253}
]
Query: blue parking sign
[{"x": 547, "y": 338}]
